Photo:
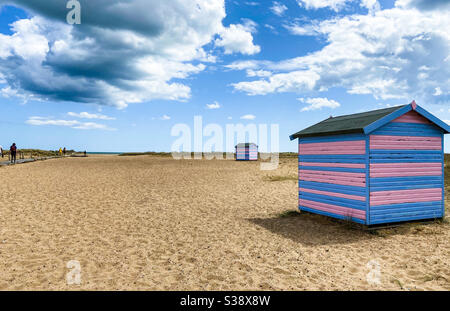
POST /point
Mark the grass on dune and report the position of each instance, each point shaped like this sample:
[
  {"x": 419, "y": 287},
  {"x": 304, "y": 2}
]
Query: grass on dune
[{"x": 280, "y": 178}]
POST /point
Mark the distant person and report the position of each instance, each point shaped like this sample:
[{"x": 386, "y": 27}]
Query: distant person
[
  {"x": 64, "y": 151},
  {"x": 13, "y": 152},
  {"x": 60, "y": 152},
  {"x": 84, "y": 152},
  {"x": 1, "y": 150}
]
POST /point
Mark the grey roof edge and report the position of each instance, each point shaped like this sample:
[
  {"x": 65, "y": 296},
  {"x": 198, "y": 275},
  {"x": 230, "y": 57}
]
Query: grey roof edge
[
  {"x": 345, "y": 131},
  {"x": 383, "y": 119}
]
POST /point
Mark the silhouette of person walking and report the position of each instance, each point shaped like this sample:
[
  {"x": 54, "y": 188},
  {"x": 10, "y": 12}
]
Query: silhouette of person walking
[{"x": 13, "y": 152}]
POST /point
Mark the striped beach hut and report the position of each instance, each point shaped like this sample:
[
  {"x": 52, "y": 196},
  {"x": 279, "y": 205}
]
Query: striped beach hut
[
  {"x": 246, "y": 152},
  {"x": 376, "y": 167}
]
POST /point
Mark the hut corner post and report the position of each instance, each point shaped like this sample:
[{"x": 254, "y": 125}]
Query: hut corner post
[
  {"x": 298, "y": 176},
  {"x": 367, "y": 180},
  {"x": 443, "y": 177}
]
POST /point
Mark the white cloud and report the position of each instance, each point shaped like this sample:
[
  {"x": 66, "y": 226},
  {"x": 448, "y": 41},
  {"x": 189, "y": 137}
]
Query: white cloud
[
  {"x": 40, "y": 121},
  {"x": 278, "y": 8},
  {"x": 130, "y": 53},
  {"x": 371, "y": 5},
  {"x": 258, "y": 73},
  {"x": 248, "y": 117},
  {"x": 86, "y": 115},
  {"x": 165, "y": 118},
  {"x": 335, "y": 5},
  {"x": 241, "y": 65},
  {"x": 311, "y": 29},
  {"x": 214, "y": 105},
  {"x": 237, "y": 38},
  {"x": 437, "y": 91},
  {"x": 393, "y": 53},
  {"x": 318, "y": 103}
]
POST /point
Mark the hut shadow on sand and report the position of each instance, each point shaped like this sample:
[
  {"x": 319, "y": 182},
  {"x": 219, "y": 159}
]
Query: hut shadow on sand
[{"x": 313, "y": 230}]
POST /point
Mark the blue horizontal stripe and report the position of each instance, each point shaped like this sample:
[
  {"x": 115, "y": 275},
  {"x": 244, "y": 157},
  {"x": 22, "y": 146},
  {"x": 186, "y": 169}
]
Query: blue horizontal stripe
[
  {"x": 333, "y": 169},
  {"x": 405, "y": 183},
  {"x": 361, "y": 191},
  {"x": 405, "y": 207},
  {"x": 307, "y": 209},
  {"x": 336, "y": 188},
  {"x": 423, "y": 205},
  {"x": 333, "y": 138},
  {"x": 408, "y": 126},
  {"x": 360, "y": 205},
  {"x": 405, "y": 179},
  {"x": 409, "y": 217}
]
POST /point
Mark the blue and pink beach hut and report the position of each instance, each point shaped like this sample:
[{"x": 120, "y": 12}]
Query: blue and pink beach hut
[
  {"x": 376, "y": 167},
  {"x": 246, "y": 152}
]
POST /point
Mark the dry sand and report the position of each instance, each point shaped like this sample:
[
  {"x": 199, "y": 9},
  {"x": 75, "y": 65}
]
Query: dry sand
[{"x": 149, "y": 223}]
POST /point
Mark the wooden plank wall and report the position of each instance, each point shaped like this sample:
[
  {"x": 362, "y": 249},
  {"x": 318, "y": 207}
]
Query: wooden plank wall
[
  {"x": 406, "y": 179},
  {"x": 332, "y": 176}
]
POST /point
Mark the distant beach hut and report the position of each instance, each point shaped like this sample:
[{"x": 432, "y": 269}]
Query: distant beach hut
[
  {"x": 246, "y": 152},
  {"x": 376, "y": 167}
]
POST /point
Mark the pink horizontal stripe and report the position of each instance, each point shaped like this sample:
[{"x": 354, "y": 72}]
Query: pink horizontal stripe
[
  {"x": 405, "y": 138},
  {"x": 347, "y": 147},
  {"x": 396, "y": 142},
  {"x": 350, "y": 143},
  {"x": 404, "y": 147},
  {"x": 405, "y": 169},
  {"x": 335, "y": 209},
  {"x": 344, "y": 165},
  {"x": 334, "y": 194},
  {"x": 405, "y": 196},
  {"x": 331, "y": 173},
  {"x": 405, "y": 165},
  {"x": 405, "y": 142},
  {"x": 406, "y": 174},
  {"x": 411, "y": 117},
  {"x": 405, "y": 200},
  {"x": 336, "y": 181},
  {"x": 333, "y": 152}
]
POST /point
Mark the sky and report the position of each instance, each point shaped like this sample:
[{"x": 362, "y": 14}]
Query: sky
[{"x": 133, "y": 69}]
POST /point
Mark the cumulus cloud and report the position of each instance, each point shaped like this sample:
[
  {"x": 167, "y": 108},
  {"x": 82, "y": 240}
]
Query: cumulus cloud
[
  {"x": 165, "y": 118},
  {"x": 237, "y": 38},
  {"x": 124, "y": 51},
  {"x": 394, "y": 53},
  {"x": 248, "y": 117},
  {"x": 371, "y": 5},
  {"x": 318, "y": 103},
  {"x": 278, "y": 8},
  {"x": 335, "y": 5},
  {"x": 40, "y": 121},
  {"x": 87, "y": 115},
  {"x": 214, "y": 105}
]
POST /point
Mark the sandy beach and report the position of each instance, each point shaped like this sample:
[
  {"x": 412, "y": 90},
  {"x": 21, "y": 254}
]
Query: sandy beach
[{"x": 154, "y": 223}]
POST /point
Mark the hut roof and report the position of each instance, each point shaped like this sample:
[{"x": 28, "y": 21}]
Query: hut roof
[
  {"x": 365, "y": 122},
  {"x": 245, "y": 145}
]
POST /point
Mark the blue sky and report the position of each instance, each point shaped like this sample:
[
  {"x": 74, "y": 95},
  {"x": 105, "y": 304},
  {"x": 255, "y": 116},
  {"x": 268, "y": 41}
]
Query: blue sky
[{"x": 122, "y": 79}]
